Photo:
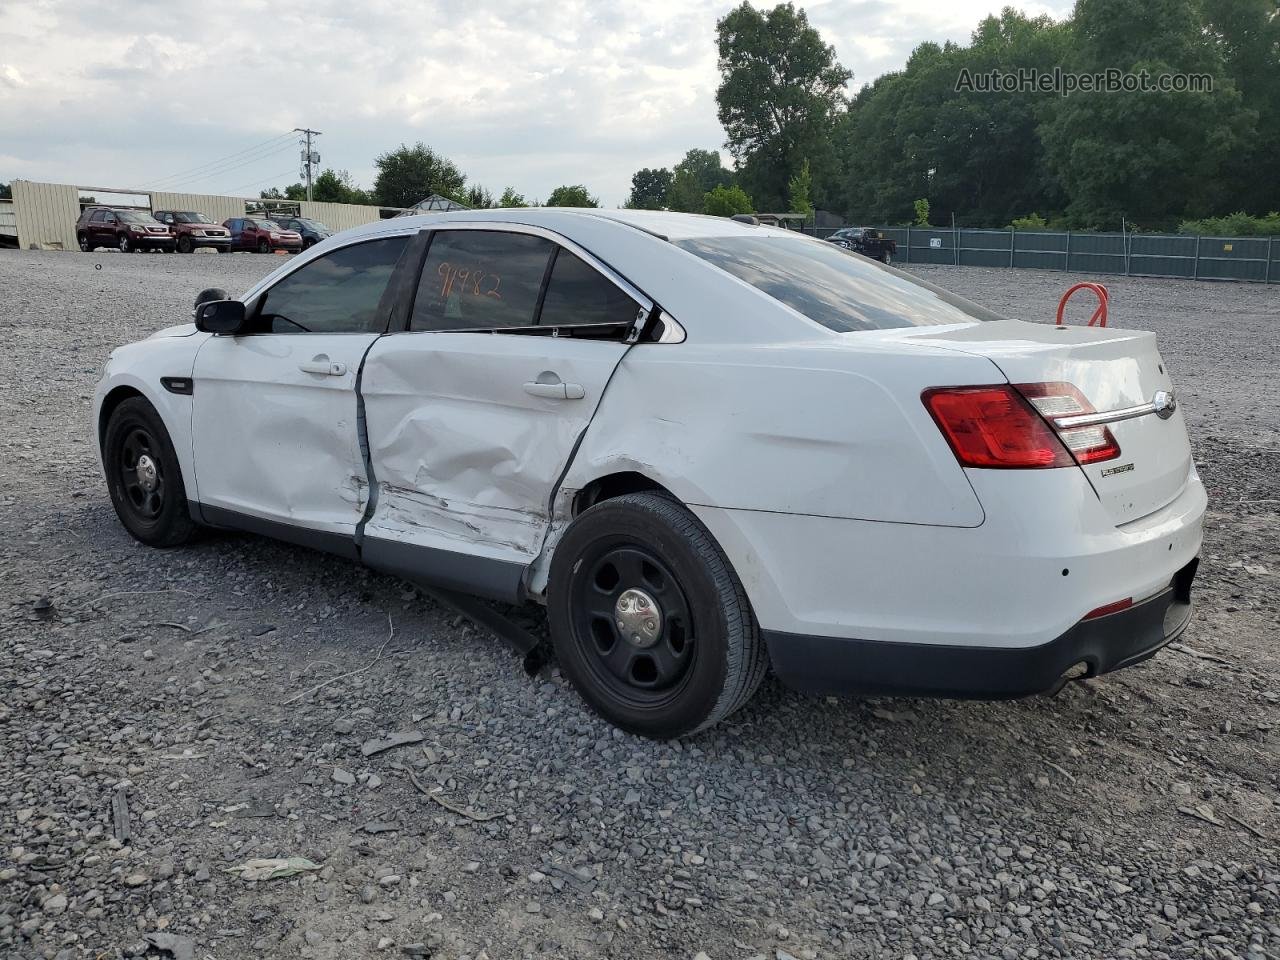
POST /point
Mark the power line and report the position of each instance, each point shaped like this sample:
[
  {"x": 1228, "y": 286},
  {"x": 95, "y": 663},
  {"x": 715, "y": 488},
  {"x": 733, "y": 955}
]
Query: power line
[
  {"x": 245, "y": 186},
  {"x": 229, "y": 167},
  {"x": 219, "y": 160}
]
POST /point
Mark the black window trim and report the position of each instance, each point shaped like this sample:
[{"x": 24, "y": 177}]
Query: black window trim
[{"x": 647, "y": 308}]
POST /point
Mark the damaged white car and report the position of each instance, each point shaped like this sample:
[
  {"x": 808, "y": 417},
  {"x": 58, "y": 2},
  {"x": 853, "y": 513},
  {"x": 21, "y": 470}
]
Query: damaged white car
[{"x": 707, "y": 446}]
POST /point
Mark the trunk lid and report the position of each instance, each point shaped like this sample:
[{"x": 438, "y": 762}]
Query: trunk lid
[{"x": 1114, "y": 369}]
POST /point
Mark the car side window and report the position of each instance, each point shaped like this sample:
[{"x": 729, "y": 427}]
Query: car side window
[
  {"x": 336, "y": 293},
  {"x": 577, "y": 293},
  {"x": 108, "y": 217},
  {"x": 480, "y": 280}
]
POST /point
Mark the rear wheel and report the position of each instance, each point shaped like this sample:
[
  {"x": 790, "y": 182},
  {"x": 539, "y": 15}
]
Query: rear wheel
[
  {"x": 85, "y": 245},
  {"x": 143, "y": 476},
  {"x": 649, "y": 622}
]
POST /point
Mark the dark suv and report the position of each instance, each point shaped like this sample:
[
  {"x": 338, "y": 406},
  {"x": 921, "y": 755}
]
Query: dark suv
[
  {"x": 261, "y": 234},
  {"x": 127, "y": 230},
  {"x": 193, "y": 229},
  {"x": 312, "y": 231}
]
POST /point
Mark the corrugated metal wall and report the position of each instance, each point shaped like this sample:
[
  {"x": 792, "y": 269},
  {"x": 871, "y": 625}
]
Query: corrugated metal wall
[
  {"x": 46, "y": 215},
  {"x": 216, "y": 209},
  {"x": 339, "y": 216}
]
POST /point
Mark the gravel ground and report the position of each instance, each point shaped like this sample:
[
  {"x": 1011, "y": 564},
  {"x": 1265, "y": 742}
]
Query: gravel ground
[{"x": 156, "y": 728}]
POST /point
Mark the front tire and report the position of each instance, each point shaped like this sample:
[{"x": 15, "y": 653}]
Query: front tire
[
  {"x": 143, "y": 476},
  {"x": 124, "y": 243},
  {"x": 887, "y": 259},
  {"x": 649, "y": 621},
  {"x": 184, "y": 244},
  {"x": 264, "y": 246}
]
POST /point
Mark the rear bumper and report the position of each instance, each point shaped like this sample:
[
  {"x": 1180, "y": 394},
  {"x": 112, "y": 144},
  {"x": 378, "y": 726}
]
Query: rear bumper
[{"x": 832, "y": 665}]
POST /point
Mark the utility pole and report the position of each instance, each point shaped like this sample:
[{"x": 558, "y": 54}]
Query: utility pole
[{"x": 310, "y": 158}]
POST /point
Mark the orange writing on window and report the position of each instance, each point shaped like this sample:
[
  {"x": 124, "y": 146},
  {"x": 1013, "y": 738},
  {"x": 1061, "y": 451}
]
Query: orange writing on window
[{"x": 475, "y": 282}]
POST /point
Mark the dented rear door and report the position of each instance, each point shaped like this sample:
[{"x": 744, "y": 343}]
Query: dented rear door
[{"x": 470, "y": 430}]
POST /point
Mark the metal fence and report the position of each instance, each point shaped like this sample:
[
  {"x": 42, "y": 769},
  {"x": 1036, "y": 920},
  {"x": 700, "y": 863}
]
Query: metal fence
[{"x": 1255, "y": 259}]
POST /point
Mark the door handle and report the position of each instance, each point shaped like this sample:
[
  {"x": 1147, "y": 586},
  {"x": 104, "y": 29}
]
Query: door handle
[
  {"x": 322, "y": 365},
  {"x": 555, "y": 391}
]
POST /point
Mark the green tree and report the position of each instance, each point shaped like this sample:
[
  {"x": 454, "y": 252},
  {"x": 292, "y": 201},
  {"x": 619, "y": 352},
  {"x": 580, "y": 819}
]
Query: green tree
[
  {"x": 295, "y": 191},
  {"x": 1033, "y": 222},
  {"x": 1148, "y": 157},
  {"x": 649, "y": 188},
  {"x": 510, "y": 198},
  {"x": 726, "y": 201},
  {"x": 922, "y": 212},
  {"x": 336, "y": 186},
  {"x": 781, "y": 91},
  {"x": 477, "y": 198},
  {"x": 572, "y": 196},
  {"x": 685, "y": 194},
  {"x": 800, "y": 188},
  {"x": 407, "y": 175}
]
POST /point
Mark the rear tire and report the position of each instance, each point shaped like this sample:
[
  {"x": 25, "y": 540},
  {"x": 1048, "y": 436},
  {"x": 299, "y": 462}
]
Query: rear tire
[
  {"x": 143, "y": 476},
  {"x": 85, "y": 245},
  {"x": 688, "y": 667}
]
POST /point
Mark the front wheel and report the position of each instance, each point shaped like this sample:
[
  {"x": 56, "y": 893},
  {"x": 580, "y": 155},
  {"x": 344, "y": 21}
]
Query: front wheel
[
  {"x": 143, "y": 476},
  {"x": 124, "y": 243},
  {"x": 649, "y": 621},
  {"x": 184, "y": 244},
  {"x": 887, "y": 258},
  {"x": 264, "y": 246}
]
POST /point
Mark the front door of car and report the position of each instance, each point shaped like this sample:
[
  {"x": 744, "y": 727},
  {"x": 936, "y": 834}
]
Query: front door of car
[
  {"x": 473, "y": 413},
  {"x": 106, "y": 228},
  {"x": 275, "y": 418}
]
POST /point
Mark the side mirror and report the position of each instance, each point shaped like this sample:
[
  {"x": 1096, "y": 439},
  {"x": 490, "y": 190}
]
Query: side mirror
[{"x": 220, "y": 316}]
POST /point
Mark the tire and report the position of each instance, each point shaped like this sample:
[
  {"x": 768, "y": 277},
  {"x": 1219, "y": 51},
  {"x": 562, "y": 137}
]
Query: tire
[
  {"x": 224, "y": 249},
  {"x": 150, "y": 498},
  {"x": 85, "y": 245},
  {"x": 264, "y": 246},
  {"x": 887, "y": 258},
  {"x": 125, "y": 244},
  {"x": 308, "y": 244},
  {"x": 701, "y": 659},
  {"x": 184, "y": 244}
]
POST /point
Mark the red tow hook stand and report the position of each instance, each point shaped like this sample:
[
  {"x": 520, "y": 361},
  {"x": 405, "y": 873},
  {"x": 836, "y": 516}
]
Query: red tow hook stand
[{"x": 1099, "y": 315}]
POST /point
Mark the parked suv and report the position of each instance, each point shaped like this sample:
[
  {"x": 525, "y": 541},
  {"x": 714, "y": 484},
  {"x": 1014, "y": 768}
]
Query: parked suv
[
  {"x": 311, "y": 231},
  {"x": 258, "y": 233},
  {"x": 193, "y": 229},
  {"x": 127, "y": 230}
]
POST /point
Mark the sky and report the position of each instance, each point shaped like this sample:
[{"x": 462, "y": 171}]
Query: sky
[{"x": 201, "y": 97}]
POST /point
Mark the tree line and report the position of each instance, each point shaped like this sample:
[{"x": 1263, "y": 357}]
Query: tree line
[{"x": 919, "y": 146}]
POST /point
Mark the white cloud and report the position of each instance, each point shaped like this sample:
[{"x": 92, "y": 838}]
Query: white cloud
[{"x": 531, "y": 94}]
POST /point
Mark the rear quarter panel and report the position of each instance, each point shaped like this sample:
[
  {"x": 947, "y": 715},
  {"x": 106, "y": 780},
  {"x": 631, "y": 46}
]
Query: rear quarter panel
[{"x": 827, "y": 428}]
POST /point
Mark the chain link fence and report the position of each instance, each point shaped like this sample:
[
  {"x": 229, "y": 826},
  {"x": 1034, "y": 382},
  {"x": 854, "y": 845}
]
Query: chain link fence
[{"x": 1255, "y": 259}]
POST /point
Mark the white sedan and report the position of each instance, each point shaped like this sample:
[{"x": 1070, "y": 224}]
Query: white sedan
[{"x": 706, "y": 446}]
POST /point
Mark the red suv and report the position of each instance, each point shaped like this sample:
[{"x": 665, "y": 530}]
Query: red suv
[
  {"x": 127, "y": 230},
  {"x": 261, "y": 234},
  {"x": 193, "y": 229}
]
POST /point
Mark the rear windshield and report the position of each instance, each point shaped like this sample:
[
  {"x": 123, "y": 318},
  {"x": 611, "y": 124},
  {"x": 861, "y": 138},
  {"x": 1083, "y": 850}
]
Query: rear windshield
[{"x": 841, "y": 290}]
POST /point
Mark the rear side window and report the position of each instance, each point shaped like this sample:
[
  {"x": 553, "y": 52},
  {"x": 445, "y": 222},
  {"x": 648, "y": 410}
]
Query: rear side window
[
  {"x": 579, "y": 294},
  {"x": 841, "y": 290},
  {"x": 480, "y": 280},
  {"x": 336, "y": 293}
]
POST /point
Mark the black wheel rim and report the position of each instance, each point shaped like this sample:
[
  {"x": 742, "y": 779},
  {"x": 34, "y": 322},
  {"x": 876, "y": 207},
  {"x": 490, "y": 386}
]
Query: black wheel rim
[
  {"x": 642, "y": 667},
  {"x": 141, "y": 474}
]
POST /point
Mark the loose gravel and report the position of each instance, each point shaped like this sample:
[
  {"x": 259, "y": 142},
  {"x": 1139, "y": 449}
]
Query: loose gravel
[{"x": 437, "y": 802}]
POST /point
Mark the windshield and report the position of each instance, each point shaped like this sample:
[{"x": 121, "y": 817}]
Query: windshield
[
  {"x": 191, "y": 218},
  {"x": 133, "y": 216},
  {"x": 314, "y": 225},
  {"x": 268, "y": 225},
  {"x": 841, "y": 290}
]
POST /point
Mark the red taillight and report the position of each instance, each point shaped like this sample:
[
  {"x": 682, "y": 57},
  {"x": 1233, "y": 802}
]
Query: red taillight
[
  {"x": 1087, "y": 444},
  {"x": 995, "y": 427},
  {"x": 1109, "y": 608}
]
